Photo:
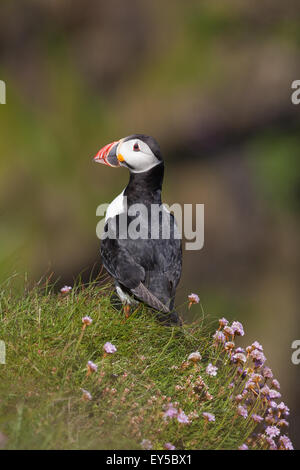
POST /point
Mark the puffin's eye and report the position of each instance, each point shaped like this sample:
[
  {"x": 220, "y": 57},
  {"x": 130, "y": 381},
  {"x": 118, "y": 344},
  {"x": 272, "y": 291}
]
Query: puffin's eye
[{"x": 136, "y": 147}]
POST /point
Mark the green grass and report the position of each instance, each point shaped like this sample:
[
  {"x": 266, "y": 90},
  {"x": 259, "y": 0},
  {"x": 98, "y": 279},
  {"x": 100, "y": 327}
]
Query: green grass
[{"x": 41, "y": 404}]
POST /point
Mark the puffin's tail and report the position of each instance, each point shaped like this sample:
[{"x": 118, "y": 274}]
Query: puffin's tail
[{"x": 142, "y": 293}]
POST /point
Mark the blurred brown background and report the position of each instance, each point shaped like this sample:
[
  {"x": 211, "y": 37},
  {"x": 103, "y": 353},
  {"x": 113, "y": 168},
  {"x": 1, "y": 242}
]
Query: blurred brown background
[{"x": 211, "y": 80}]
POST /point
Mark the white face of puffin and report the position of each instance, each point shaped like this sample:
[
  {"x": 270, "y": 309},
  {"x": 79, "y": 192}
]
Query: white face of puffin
[{"x": 136, "y": 155}]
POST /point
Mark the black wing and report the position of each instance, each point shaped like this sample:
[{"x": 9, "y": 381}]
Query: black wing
[{"x": 150, "y": 269}]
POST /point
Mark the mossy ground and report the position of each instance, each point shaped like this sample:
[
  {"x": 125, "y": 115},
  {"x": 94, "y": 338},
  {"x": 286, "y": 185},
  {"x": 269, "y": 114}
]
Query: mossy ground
[{"x": 41, "y": 404}]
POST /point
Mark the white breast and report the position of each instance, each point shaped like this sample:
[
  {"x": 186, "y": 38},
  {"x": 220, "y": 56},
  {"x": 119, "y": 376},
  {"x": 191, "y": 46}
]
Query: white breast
[{"x": 116, "y": 207}]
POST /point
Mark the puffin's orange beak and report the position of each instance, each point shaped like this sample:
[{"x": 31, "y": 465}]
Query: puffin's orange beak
[{"x": 108, "y": 155}]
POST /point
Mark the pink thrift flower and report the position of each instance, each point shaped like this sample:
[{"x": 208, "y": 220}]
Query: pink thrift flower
[
  {"x": 229, "y": 345},
  {"x": 66, "y": 289},
  {"x": 146, "y": 444},
  {"x": 274, "y": 394},
  {"x": 249, "y": 384},
  {"x": 242, "y": 411},
  {"x": 193, "y": 299},
  {"x": 229, "y": 331},
  {"x": 87, "y": 320},
  {"x": 171, "y": 412},
  {"x": 282, "y": 423},
  {"x": 257, "y": 418},
  {"x": 223, "y": 322},
  {"x": 272, "y": 431},
  {"x": 244, "y": 447},
  {"x": 276, "y": 384},
  {"x": 211, "y": 370},
  {"x": 169, "y": 446},
  {"x": 239, "y": 357},
  {"x": 285, "y": 443},
  {"x": 283, "y": 408},
  {"x": 265, "y": 390},
  {"x": 209, "y": 417},
  {"x": 238, "y": 328},
  {"x": 271, "y": 442},
  {"x": 239, "y": 398},
  {"x": 182, "y": 418},
  {"x": 109, "y": 348},
  {"x": 219, "y": 337},
  {"x": 86, "y": 395},
  {"x": 258, "y": 357},
  {"x": 92, "y": 367},
  {"x": 267, "y": 373},
  {"x": 194, "y": 356},
  {"x": 256, "y": 378}
]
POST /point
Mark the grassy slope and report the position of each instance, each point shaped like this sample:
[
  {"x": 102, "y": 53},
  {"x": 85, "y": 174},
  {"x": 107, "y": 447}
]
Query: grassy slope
[{"x": 41, "y": 403}]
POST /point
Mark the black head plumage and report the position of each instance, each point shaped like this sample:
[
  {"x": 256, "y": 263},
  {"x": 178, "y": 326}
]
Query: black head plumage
[{"x": 150, "y": 141}]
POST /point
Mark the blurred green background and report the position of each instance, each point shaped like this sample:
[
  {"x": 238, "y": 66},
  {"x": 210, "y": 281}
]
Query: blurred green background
[{"x": 211, "y": 80}]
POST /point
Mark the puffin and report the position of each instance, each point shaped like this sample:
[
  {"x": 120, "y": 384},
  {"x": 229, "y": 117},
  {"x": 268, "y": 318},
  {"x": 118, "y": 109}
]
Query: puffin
[{"x": 141, "y": 245}]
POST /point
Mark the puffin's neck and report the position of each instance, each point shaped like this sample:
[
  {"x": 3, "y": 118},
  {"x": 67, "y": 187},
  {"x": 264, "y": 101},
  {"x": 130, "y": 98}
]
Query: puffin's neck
[{"x": 145, "y": 187}]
